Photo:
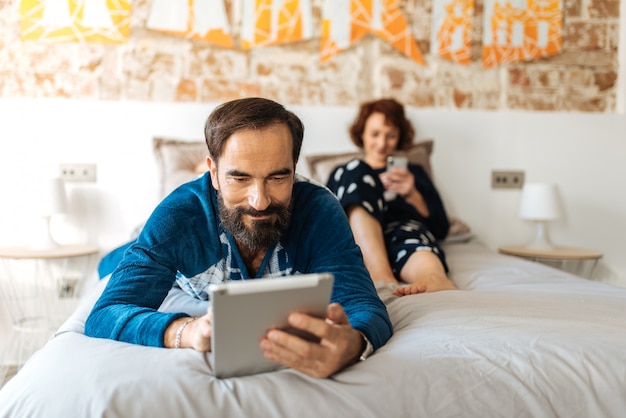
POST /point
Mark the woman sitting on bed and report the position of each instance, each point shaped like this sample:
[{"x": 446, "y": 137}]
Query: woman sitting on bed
[{"x": 398, "y": 236}]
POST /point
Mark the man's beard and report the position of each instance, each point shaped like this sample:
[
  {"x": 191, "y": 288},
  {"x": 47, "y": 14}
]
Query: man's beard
[{"x": 261, "y": 234}]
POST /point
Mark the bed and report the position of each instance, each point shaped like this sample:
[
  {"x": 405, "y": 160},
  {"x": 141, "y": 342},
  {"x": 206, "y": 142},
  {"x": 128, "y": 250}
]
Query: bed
[{"x": 519, "y": 339}]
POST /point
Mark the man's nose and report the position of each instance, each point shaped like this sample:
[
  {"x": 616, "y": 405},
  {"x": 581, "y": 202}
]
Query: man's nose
[{"x": 258, "y": 198}]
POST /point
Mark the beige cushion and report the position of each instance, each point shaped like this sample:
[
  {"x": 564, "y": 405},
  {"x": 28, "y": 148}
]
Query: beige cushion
[
  {"x": 176, "y": 161},
  {"x": 321, "y": 165}
]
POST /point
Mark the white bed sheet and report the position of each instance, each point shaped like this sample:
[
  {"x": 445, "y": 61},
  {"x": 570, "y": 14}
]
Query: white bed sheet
[{"x": 521, "y": 339}]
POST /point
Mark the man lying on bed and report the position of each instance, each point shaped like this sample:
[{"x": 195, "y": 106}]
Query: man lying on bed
[{"x": 249, "y": 216}]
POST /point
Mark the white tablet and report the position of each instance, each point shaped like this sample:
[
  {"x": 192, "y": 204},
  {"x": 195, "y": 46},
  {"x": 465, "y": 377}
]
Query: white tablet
[{"x": 243, "y": 312}]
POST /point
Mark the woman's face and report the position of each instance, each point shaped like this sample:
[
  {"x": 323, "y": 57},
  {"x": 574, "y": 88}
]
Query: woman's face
[{"x": 379, "y": 140}]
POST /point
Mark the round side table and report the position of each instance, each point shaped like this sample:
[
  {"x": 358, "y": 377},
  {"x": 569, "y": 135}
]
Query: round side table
[
  {"x": 579, "y": 261},
  {"x": 40, "y": 288}
]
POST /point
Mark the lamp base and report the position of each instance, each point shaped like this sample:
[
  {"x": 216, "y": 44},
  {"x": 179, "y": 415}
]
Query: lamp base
[
  {"x": 541, "y": 240},
  {"x": 43, "y": 240}
]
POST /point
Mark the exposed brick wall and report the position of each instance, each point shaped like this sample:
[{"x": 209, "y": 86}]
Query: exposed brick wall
[{"x": 157, "y": 67}]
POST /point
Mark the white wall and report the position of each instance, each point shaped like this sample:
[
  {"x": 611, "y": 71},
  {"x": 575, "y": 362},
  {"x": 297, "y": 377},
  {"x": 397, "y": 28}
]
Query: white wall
[{"x": 584, "y": 154}]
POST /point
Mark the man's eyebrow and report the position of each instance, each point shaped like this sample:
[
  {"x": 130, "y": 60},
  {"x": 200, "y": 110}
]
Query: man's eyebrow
[
  {"x": 280, "y": 172},
  {"x": 237, "y": 173}
]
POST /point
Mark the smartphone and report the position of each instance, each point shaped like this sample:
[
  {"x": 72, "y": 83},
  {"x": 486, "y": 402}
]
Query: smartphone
[
  {"x": 394, "y": 161},
  {"x": 399, "y": 161}
]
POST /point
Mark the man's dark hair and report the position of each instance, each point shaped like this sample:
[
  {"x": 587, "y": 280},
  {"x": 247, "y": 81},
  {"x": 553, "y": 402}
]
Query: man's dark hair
[{"x": 251, "y": 113}]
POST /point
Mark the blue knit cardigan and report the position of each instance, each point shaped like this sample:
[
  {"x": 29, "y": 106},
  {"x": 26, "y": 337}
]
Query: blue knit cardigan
[{"x": 184, "y": 240}]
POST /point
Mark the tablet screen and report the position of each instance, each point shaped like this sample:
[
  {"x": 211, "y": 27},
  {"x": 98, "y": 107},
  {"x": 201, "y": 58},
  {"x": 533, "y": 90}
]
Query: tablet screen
[{"x": 243, "y": 312}]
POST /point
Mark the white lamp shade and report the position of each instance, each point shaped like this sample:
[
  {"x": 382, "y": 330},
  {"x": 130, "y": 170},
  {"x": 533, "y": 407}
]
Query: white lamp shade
[
  {"x": 539, "y": 202},
  {"x": 52, "y": 199}
]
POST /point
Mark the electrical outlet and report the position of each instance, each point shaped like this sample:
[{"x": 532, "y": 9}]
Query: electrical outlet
[
  {"x": 507, "y": 179},
  {"x": 78, "y": 172}
]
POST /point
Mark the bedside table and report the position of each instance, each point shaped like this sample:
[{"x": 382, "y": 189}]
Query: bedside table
[
  {"x": 578, "y": 261},
  {"x": 40, "y": 289}
]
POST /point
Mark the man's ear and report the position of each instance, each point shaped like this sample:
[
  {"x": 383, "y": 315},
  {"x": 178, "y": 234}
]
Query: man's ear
[{"x": 213, "y": 171}]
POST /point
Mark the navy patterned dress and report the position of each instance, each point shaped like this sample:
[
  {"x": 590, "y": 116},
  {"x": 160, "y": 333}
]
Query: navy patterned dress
[{"x": 405, "y": 229}]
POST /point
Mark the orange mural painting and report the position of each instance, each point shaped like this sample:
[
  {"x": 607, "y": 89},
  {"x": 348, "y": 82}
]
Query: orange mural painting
[
  {"x": 522, "y": 34},
  {"x": 104, "y": 21},
  {"x": 201, "y": 20},
  {"x": 274, "y": 22},
  {"x": 453, "y": 31},
  {"x": 514, "y": 30},
  {"x": 346, "y": 21}
]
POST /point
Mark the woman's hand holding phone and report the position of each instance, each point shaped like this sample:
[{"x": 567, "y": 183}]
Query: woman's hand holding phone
[{"x": 395, "y": 177}]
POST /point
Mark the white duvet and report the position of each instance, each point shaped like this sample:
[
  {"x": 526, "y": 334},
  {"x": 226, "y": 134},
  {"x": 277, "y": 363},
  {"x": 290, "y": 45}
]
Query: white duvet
[{"x": 520, "y": 340}]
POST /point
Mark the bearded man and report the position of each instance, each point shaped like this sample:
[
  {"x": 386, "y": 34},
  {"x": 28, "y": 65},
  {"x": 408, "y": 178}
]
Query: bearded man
[{"x": 249, "y": 216}]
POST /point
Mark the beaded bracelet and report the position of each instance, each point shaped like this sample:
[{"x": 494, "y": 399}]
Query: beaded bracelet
[{"x": 179, "y": 331}]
